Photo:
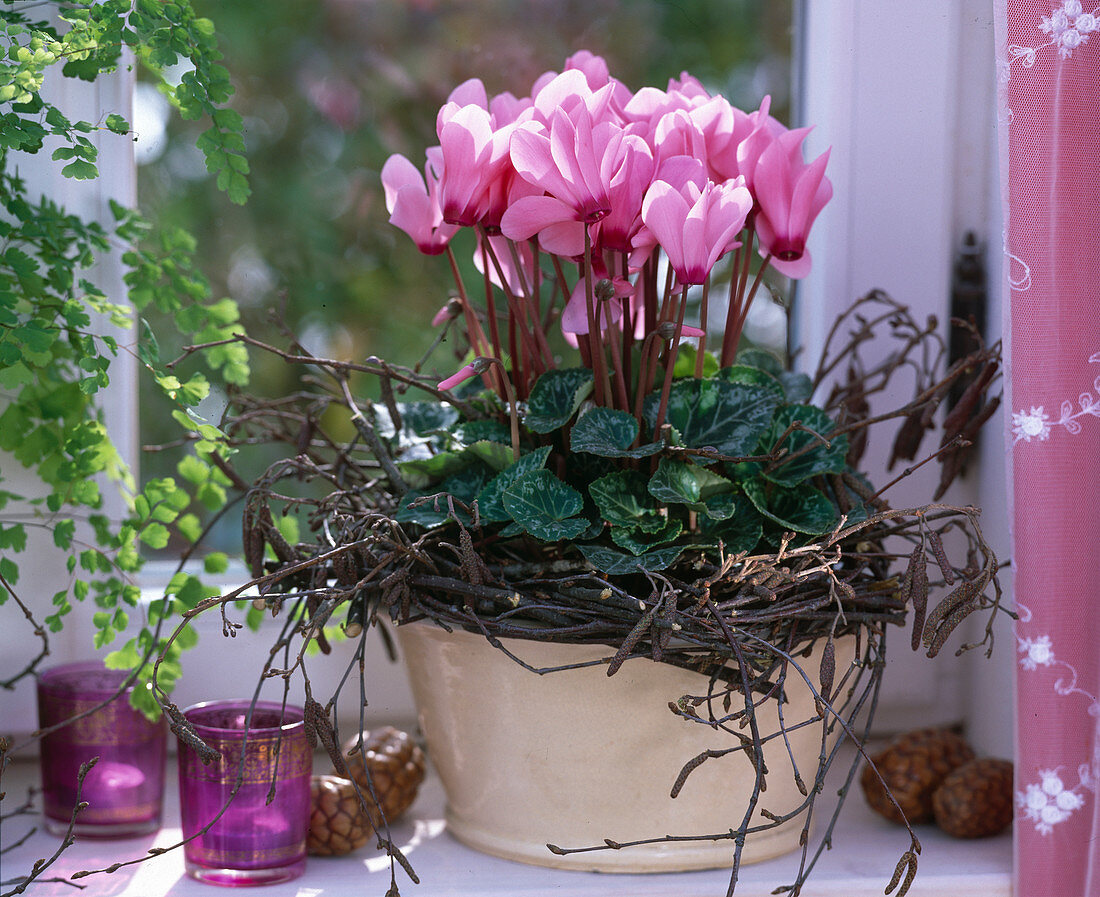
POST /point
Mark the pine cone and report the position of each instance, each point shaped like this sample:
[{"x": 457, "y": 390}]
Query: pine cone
[
  {"x": 396, "y": 766},
  {"x": 337, "y": 824},
  {"x": 975, "y": 800},
  {"x": 913, "y": 766}
]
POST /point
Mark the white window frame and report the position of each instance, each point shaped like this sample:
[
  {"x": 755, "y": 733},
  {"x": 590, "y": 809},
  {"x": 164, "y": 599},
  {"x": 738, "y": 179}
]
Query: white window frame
[{"x": 905, "y": 94}]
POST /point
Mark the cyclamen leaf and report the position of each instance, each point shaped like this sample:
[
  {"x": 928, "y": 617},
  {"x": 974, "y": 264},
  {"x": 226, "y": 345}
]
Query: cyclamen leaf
[
  {"x": 639, "y": 543},
  {"x": 622, "y": 500},
  {"x": 489, "y": 501},
  {"x": 729, "y": 417},
  {"x": 609, "y": 433},
  {"x": 817, "y": 460},
  {"x": 619, "y": 563},
  {"x": 555, "y": 398},
  {"x": 681, "y": 482},
  {"x": 801, "y": 508},
  {"x": 545, "y": 506},
  {"x": 743, "y": 373}
]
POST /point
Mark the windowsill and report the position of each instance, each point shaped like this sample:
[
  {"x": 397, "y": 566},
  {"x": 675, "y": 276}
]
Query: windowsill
[{"x": 861, "y": 863}]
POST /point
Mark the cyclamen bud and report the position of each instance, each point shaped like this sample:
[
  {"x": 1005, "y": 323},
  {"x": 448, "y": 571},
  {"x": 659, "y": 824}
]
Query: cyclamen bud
[
  {"x": 447, "y": 312},
  {"x": 666, "y": 330},
  {"x": 604, "y": 290},
  {"x": 475, "y": 368}
]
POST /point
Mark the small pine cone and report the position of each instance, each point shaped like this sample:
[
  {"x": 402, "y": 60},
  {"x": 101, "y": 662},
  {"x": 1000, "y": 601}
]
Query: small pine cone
[
  {"x": 396, "y": 766},
  {"x": 337, "y": 824},
  {"x": 975, "y": 800},
  {"x": 913, "y": 766}
]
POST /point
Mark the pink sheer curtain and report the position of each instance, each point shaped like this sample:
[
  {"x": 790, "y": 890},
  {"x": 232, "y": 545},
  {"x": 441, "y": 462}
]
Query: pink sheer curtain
[{"x": 1049, "y": 66}]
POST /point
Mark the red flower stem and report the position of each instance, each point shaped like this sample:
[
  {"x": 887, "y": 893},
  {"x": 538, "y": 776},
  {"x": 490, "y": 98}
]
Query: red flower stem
[
  {"x": 621, "y": 397},
  {"x": 531, "y": 309},
  {"x": 648, "y": 350},
  {"x": 628, "y": 327},
  {"x": 599, "y": 363},
  {"x": 516, "y": 315},
  {"x": 732, "y": 308},
  {"x": 474, "y": 334},
  {"x": 536, "y": 292},
  {"x": 702, "y": 326},
  {"x": 747, "y": 304},
  {"x": 563, "y": 287},
  {"x": 649, "y": 272},
  {"x": 513, "y": 411},
  {"x": 670, "y": 364}
]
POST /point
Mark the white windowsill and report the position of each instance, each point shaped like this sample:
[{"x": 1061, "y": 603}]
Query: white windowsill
[{"x": 861, "y": 863}]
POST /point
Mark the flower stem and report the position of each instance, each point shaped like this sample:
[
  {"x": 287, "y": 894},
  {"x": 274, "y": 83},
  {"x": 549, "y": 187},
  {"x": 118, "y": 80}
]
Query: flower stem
[
  {"x": 670, "y": 363},
  {"x": 513, "y": 412},
  {"x": 701, "y": 351},
  {"x": 599, "y": 363}
]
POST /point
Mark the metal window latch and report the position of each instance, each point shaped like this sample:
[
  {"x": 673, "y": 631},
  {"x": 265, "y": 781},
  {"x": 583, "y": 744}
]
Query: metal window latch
[{"x": 969, "y": 299}]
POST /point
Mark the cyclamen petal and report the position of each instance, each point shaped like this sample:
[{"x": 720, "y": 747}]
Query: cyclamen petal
[
  {"x": 414, "y": 206},
  {"x": 790, "y": 194},
  {"x": 696, "y": 227}
]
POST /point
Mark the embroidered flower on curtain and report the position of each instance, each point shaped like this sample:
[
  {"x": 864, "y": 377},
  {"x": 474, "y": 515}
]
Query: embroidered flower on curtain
[
  {"x": 1069, "y": 27},
  {"x": 1048, "y": 802},
  {"x": 1037, "y": 424},
  {"x": 1038, "y": 652},
  {"x": 1033, "y": 424}
]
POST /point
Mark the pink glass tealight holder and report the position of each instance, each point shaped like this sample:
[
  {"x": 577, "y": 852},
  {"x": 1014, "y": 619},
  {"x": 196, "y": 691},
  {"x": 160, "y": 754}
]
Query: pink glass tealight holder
[
  {"x": 252, "y": 841},
  {"x": 124, "y": 790}
]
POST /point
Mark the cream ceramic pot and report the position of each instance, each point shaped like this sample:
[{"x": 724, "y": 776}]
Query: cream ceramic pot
[{"x": 575, "y": 757}]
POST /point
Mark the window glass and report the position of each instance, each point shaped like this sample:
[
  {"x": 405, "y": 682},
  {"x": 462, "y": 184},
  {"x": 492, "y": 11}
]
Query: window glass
[{"x": 329, "y": 90}]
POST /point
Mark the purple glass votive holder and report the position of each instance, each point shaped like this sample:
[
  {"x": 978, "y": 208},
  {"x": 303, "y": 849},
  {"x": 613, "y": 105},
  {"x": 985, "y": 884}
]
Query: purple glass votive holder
[
  {"x": 253, "y": 842},
  {"x": 125, "y": 788}
]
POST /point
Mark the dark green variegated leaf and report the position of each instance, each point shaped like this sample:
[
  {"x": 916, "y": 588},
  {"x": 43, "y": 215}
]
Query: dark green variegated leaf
[
  {"x": 421, "y": 423},
  {"x": 427, "y": 418},
  {"x": 729, "y": 417},
  {"x": 801, "y": 508},
  {"x": 463, "y": 485},
  {"x": 609, "y": 433},
  {"x": 545, "y": 506},
  {"x": 497, "y": 455},
  {"x": 743, "y": 373},
  {"x": 740, "y": 530},
  {"x": 619, "y": 563},
  {"x": 638, "y": 542},
  {"x": 490, "y": 504},
  {"x": 817, "y": 460},
  {"x": 422, "y": 472},
  {"x": 798, "y": 387},
  {"x": 766, "y": 361},
  {"x": 471, "y": 431},
  {"x": 555, "y": 398},
  {"x": 685, "y": 483},
  {"x": 622, "y": 500}
]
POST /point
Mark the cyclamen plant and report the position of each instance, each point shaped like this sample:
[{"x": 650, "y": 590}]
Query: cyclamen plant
[{"x": 596, "y": 211}]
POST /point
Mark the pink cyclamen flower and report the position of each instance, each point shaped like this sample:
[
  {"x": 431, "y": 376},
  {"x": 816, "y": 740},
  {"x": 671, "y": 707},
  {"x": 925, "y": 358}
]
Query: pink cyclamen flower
[
  {"x": 790, "y": 194},
  {"x": 412, "y": 200},
  {"x": 696, "y": 227},
  {"x": 474, "y": 157},
  {"x": 572, "y": 158}
]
